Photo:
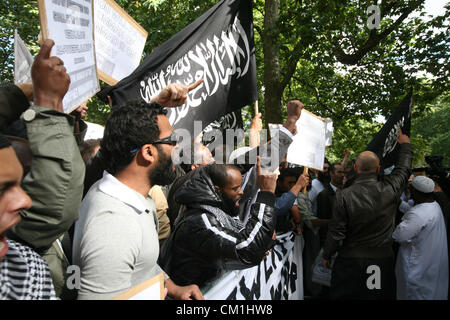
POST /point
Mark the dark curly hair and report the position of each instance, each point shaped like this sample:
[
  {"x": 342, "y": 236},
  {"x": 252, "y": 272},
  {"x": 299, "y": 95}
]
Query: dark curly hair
[{"x": 128, "y": 127}]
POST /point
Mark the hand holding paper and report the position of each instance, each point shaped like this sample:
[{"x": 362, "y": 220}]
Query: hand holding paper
[
  {"x": 267, "y": 181},
  {"x": 326, "y": 264},
  {"x": 303, "y": 181},
  {"x": 294, "y": 110},
  {"x": 50, "y": 79}
]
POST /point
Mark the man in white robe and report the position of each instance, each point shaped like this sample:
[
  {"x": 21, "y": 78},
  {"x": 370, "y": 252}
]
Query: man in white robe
[{"x": 422, "y": 261}]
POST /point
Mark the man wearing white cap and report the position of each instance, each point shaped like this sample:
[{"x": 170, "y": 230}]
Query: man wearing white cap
[{"x": 422, "y": 260}]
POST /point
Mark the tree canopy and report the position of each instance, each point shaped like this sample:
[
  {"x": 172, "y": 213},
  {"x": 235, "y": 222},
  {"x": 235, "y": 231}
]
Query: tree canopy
[{"x": 326, "y": 53}]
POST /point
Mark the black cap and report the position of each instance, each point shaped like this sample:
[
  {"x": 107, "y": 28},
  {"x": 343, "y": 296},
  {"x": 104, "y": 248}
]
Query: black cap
[{"x": 4, "y": 142}]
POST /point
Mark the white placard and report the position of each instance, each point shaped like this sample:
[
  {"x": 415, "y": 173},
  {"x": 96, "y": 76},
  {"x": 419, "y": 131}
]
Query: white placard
[
  {"x": 94, "y": 131},
  {"x": 329, "y": 132},
  {"x": 150, "y": 293},
  {"x": 274, "y": 128},
  {"x": 69, "y": 24},
  {"x": 23, "y": 60},
  {"x": 152, "y": 289},
  {"x": 119, "y": 41},
  {"x": 308, "y": 147}
]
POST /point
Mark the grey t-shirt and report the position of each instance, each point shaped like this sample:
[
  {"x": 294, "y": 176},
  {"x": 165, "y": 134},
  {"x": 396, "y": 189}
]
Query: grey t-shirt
[{"x": 116, "y": 240}]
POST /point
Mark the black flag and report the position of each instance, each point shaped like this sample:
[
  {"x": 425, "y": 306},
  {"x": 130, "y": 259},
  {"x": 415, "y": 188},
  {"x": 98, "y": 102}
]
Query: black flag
[
  {"x": 217, "y": 47},
  {"x": 232, "y": 120},
  {"x": 384, "y": 144}
]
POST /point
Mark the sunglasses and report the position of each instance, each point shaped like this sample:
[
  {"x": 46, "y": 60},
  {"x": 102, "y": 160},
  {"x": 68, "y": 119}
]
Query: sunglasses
[{"x": 172, "y": 140}]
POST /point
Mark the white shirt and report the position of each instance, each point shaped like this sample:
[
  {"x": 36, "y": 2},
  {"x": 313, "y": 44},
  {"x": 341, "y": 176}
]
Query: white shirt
[
  {"x": 333, "y": 187},
  {"x": 405, "y": 204},
  {"x": 316, "y": 188},
  {"x": 422, "y": 260}
]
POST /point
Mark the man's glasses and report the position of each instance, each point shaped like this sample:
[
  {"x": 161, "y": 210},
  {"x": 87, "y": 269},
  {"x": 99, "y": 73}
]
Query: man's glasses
[{"x": 172, "y": 140}]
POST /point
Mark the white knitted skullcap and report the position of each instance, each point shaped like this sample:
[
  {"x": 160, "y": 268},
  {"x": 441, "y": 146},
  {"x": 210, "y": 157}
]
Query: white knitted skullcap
[{"x": 423, "y": 184}]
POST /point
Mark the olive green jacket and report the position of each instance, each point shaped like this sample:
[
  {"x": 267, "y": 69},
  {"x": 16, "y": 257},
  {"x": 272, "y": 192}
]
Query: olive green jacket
[{"x": 55, "y": 181}]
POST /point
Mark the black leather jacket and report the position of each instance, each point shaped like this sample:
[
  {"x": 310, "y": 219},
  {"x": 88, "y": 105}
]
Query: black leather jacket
[
  {"x": 364, "y": 213},
  {"x": 206, "y": 240}
]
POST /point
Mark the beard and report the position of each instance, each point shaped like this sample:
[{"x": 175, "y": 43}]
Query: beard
[
  {"x": 338, "y": 182},
  {"x": 324, "y": 177},
  {"x": 230, "y": 205},
  {"x": 163, "y": 174}
]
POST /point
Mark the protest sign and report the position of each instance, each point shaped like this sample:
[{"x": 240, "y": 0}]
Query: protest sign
[
  {"x": 308, "y": 146},
  {"x": 23, "y": 60},
  {"x": 119, "y": 41},
  {"x": 274, "y": 128},
  {"x": 278, "y": 277},
  {"x": 329, "y": 132},
  {"x": 69, "y": 24}
]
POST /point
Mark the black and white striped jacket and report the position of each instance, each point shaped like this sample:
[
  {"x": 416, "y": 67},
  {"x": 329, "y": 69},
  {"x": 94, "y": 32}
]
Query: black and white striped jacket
[{"x": 24, "y": 275}]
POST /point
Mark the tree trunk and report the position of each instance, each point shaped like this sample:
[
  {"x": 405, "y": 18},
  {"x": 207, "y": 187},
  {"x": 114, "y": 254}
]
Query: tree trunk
[{"x": 272, "y": 78}]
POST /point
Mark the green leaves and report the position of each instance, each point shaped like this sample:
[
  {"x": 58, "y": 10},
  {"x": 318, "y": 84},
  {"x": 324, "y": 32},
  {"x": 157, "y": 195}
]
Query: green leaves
[
  {"x": 429, "y": 130},
  {"x": 308, "y": 39},
  {"x": 24, "y": 16}
]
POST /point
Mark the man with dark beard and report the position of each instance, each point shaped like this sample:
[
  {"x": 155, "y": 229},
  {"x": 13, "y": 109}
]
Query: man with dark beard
[
  {"x": 116, "y": 239},
  {"x": 317, "y": 185},
  {"x": 208, "y": 239},
  {"x": 325, "y": 199}
]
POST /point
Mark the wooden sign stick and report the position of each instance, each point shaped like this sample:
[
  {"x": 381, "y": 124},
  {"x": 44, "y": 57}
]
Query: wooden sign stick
[{"x": 305, "y": 171}]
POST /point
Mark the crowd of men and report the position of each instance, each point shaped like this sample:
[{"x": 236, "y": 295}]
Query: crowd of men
[{"x": 121, "y": 211}]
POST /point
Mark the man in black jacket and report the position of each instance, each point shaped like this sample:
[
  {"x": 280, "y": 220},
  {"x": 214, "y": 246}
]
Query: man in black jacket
[
  {"x": 207, "y": 239},
  {"x": 361, "y": 229},
  {"x": 325, "y": 199}
]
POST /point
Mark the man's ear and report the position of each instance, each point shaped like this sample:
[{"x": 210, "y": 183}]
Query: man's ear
[
  {"x": 148, "y": 153},
  {"x": 378, "y": 169},
  {"x": 355, "y": 168},
  {"x": 218, "y": 189}
]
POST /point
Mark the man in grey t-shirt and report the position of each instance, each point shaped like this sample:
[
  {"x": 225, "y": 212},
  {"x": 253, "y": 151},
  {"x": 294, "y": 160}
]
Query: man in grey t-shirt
[{"x": 116, "y": 239}]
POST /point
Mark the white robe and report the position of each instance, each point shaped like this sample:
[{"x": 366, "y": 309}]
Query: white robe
[{"x": 422, "y": 260}]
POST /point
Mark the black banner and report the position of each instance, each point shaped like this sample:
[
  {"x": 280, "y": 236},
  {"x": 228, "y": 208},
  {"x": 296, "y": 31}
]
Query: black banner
[
  {"x": 384, "y": 144},
  {"x": 217, "y": 47},
  {"x": 231, "y": 120}
]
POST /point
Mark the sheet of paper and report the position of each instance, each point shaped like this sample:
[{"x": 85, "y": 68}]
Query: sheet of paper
[
  {"x": 119, "y": 41},
  {"x": 308, "y": 147},
  {"x": 151, "y": 293},
  {"x": 329, "y": 132},
  {"x": 151, "y": 289},
  {"x": 69, "y": 23},
  {"x": 274, "y": 128},
  {"x": 23, "y": 60}
]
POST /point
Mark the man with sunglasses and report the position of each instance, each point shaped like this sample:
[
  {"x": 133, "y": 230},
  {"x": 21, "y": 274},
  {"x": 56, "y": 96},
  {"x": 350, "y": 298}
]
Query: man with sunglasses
[{"x": 116, "y": 238}]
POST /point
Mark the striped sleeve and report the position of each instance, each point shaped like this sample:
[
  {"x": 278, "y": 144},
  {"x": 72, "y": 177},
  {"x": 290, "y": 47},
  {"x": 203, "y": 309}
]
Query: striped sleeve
[{"x": 24, "y": 275}]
